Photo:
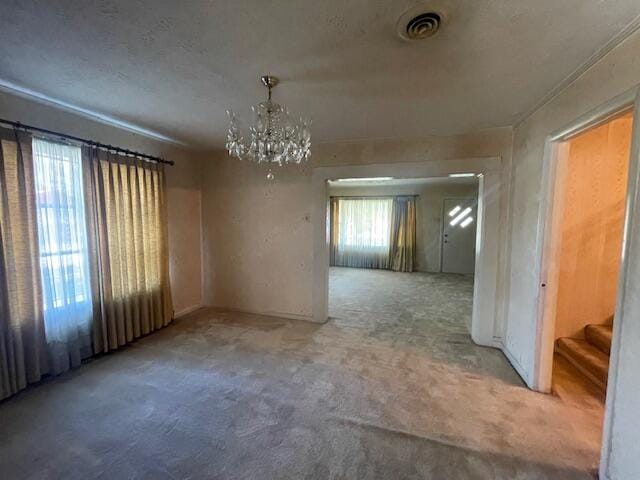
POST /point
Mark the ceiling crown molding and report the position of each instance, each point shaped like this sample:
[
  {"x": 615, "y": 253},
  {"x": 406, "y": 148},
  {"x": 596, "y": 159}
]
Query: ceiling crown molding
[
  {"x": 616, "y": 40},
  {"x": 14, "y": 89}
]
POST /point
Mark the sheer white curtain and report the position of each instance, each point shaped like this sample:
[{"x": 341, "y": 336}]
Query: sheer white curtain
[
  {"x": 363, "y": 232},
  {"x": 64, "y": 265}
]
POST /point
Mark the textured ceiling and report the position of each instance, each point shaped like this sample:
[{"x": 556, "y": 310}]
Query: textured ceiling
[{"x": 175, "y": 66}]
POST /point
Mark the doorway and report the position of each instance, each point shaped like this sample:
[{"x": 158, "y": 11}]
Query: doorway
[
  {"x": 486, "y": 323},
  {"x": 387, "y": 251},
  {"x": 588, "y": 181}
]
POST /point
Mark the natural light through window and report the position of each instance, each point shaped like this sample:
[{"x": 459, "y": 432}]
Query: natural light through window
[
  {"x": 363, "y": 179},
  {"x": 460, "y": 216},
  {"x": 62, "y": 237},
  {"x": 365, "y": 223}
]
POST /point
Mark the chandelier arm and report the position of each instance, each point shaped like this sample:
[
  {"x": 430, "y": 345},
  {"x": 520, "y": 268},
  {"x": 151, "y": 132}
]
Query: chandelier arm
[{"x": 275, "y": 137}]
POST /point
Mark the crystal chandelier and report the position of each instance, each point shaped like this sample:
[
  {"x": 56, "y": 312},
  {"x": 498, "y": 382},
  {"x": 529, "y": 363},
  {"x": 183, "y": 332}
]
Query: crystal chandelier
[{"x": 275, "y": 137}]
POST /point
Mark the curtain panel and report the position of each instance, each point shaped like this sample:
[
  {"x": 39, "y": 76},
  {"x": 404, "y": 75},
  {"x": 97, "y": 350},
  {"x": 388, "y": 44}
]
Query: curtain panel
[
  {"x": 402, "y": 250},
  {"x": 23, "y": 347},
  {"x": 64, "y": 256},
  {"x": 373, "y": 232},
  {"x": 127, "y": 230},
  {"x": 334, "y": 229}
]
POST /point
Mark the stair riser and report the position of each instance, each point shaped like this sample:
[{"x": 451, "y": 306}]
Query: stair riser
[
  {"x": 598, "y": 339},
  {"x": 599, "y": 379}
]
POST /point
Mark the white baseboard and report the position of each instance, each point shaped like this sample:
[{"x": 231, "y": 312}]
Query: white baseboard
[
  {"x": 266, "y": 313},
  {"x": 186, "y": 311}
]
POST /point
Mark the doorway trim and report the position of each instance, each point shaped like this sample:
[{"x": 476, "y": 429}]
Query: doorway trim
[
  {"x": 545, "y": 329},
  {"x": 484, "y": 321},
  {"x": 553, "y": 151}
]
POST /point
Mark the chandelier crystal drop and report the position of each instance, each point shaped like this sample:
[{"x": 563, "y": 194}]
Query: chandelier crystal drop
[{"x": 275, "y": 136}]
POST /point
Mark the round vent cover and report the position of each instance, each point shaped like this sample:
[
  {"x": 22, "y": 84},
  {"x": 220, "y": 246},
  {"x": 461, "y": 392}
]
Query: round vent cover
[
  {"x": 423, "y": 25},
  {"x": 419, "y": 23}
]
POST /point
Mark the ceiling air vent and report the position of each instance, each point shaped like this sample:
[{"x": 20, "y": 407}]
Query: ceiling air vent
[
  {"x": 423, "y": 25},
  {"x": 419, "y": 22}
]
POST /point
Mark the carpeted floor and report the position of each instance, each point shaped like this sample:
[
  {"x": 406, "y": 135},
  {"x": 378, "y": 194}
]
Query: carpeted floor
[{"x": 390, "y": 388}]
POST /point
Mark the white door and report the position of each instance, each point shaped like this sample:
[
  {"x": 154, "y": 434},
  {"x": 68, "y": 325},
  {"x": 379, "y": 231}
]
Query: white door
[{"x": 459, "y": 235}]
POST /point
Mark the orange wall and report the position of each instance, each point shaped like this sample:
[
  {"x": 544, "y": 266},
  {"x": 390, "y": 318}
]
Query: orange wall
[{"x": 592, "y": 221}]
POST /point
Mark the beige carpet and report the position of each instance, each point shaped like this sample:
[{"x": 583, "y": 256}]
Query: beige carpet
[{"x": 391, "y": 388}]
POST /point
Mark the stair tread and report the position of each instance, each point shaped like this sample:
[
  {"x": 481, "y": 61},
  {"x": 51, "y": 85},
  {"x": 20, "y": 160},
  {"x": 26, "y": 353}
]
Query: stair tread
[
  {"x": 587, "y": 358},
  {"x": 600, "y": 336}
]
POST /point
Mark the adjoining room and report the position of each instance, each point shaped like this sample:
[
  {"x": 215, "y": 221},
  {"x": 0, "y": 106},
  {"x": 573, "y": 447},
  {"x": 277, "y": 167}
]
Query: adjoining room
[{"x": 402, "y": 252}]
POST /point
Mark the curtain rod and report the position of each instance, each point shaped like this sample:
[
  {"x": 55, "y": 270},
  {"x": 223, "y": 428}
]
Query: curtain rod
[{"x": 29, "y": 128}]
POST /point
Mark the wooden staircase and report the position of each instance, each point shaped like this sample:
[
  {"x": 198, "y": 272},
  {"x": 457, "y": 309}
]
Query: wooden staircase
[{"x": 591, "y": 355}]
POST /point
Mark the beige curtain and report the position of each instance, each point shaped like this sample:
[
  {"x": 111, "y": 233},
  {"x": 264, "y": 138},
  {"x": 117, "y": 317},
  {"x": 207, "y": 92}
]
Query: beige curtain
[
  {"x": 23, "y": 349},
  {"x": 402, "y": 251},
  {"x": 127, "y": 230},
  {"x": 334, "y": 231}
]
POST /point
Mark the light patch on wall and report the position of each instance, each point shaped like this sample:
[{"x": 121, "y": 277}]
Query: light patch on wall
[{"x": 466, "y": 222}]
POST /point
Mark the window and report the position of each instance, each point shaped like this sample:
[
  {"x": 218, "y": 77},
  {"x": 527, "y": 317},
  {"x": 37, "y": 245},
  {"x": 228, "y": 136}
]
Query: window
[
  {"x": 365, "y": 224},
  {"x": 62, "y": 238}
]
